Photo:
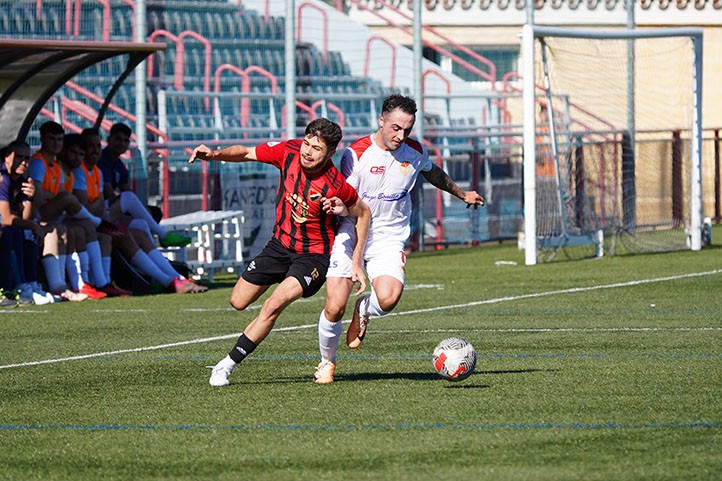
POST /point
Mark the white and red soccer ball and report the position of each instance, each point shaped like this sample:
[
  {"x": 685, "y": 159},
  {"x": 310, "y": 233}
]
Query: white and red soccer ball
[{"x": 454, "y": 359}]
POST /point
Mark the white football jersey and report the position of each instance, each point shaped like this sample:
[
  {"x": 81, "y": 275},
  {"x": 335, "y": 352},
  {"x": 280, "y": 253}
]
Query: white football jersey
[{"x": 383, "y": 180}]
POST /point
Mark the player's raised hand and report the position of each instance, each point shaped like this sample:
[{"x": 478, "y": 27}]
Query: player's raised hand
[
  {"x": 473, "y": 198},
  {"x": 28, "y": 188},
  {"x": 201, "y": 152}
]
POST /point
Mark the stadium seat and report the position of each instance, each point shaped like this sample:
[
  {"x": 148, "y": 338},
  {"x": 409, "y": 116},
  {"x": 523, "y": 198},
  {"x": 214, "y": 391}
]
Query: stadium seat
[
  {"x": 48, "y": 22},
  {"x": 121, "y": 27},
  {"x": 230, "y": 28}
]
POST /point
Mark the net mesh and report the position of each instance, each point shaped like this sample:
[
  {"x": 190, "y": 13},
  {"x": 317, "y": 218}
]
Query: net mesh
[{"x": 613, "y": 155}]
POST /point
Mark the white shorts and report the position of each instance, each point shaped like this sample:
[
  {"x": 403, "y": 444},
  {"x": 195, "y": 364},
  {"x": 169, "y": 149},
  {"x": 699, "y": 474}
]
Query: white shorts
[{"x": 380, "y": 259}]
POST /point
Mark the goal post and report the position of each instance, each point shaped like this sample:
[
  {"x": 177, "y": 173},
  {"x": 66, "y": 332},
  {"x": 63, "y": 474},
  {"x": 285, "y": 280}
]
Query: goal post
[{"x": 612, "y": 141}]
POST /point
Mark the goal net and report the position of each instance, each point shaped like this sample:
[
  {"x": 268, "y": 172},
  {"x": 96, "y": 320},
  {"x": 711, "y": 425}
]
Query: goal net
[{"x": 612, "y": 133}]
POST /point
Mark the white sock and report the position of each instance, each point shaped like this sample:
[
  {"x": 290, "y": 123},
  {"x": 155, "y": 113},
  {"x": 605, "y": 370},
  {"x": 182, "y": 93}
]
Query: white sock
[
  {"x": 130, "y": 204},
  {"x": 96, "y": 264},
  {"x": 328, "y": 336},
  {"x": 52, "y": 273},
  {"x": 370, "y": 306},
  {"x": 228, "y": 362},
  {"x": 83, "y": 255},
  {"x": 84, "y": 213},
  {"x": 162, "y": 262},
  {"x": 73, "y": 271},
  {"x": 148, "y": 267}
]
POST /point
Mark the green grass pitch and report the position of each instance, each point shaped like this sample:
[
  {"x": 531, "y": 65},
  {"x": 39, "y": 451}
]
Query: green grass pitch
[{"x": 605, "y": 369}]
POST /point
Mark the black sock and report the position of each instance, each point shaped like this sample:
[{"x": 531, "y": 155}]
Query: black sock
[{"x": 243, "y": 348}]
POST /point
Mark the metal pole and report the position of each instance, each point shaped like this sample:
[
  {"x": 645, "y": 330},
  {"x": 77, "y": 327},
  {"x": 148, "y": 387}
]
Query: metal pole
[
  {"x": 696, "y": 174},
  {"x": 530, "y": 12},
  {"x": 631, "y": 25},
  {"x": 418, "y": 90},
  {"x": 290, "y": 58},
  {"x": 140, "y": 99},
  {"x": 529, "y": 146}
]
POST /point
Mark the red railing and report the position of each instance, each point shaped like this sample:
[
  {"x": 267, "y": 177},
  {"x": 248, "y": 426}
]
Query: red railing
[
  {"x": 73, "y": 14},
  {"x": 373, "y": 38},
  {"x": 490, "y": 76},
  {"x": 303, "y": 6},
  {"x": 245, "y": 85},
  {"x": 179, "y": 66}
]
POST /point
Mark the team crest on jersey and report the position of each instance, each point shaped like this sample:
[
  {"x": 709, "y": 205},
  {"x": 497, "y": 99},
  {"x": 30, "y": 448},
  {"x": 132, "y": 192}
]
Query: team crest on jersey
[
  {"x": 405, "y": 168},
  {"x": 299, "y": 207},
  {"x": 314, "y": 196}
]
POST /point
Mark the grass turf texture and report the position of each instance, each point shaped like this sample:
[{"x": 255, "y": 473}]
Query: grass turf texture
[{"x": 616, "y": 380}]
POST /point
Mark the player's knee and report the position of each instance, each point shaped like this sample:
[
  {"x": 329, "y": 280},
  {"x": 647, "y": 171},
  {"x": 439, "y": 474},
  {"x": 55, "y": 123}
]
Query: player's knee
[
  {"x": 334, "y": 312},
  {"x": 387, "y": 303},
  {"x": 272, "y": 307},
  {"x": 237, "y": 302}
]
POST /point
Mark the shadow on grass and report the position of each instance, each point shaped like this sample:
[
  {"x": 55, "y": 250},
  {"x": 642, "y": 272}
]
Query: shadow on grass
[
  {"x": 411, "y": 376},
  {"x": 515, "y": 371}
]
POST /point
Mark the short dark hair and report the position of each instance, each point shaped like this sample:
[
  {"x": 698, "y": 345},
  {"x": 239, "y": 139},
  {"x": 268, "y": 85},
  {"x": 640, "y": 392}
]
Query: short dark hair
[
  {"x": 90, "y": 131},
  {"x": 120, "y": 128},
  {"x": 73, "y": 140},
  {"x": 396, "y": 101},
  {"x": 5, "y": 151},
  {"x": 51, "y": 128},
  {"x": 328, "y": 131}
]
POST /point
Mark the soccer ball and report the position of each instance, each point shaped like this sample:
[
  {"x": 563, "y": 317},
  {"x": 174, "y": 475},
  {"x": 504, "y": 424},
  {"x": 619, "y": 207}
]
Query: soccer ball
[{"x": 454, "y": 359}]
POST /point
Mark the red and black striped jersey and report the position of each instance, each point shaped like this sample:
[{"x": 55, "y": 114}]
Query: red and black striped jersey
[{"x": 301, "y": 224}]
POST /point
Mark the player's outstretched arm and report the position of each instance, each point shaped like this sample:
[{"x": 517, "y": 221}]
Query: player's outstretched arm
[
  {"x": 441, "y": 180},
  {"x": 233, "y": 153},
  {"x": 363, "y": 219}
]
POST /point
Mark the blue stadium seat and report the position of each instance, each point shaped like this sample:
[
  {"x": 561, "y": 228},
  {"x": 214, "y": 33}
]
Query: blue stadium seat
[
  {"x": 155, "y": 21},
  {"x": 23, "y": 20},
  {"x": 250, "y": 24},
  {"x": 121, "y": 27},
  {"x": 230, "y": 28},
  {"x": 49, "y": 23}
]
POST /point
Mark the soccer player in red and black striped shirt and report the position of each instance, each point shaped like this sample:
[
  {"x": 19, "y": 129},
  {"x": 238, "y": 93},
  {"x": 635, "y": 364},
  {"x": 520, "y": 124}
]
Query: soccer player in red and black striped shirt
[{"x": 297, "y": 255}]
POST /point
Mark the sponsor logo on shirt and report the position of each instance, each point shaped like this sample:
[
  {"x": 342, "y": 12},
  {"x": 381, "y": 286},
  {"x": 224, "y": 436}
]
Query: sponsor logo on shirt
[
  {"x": 385, "y": 197},
  {"x": 299, "y": 207},
  {"x": 377, "y": 169}
]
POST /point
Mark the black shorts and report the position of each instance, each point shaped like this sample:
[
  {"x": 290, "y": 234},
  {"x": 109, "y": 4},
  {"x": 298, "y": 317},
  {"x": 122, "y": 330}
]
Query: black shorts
[{"x": 275, "y": 263}]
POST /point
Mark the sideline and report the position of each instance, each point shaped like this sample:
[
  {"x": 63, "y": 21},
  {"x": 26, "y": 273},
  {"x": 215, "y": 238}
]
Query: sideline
[
  {"x": 356, "y": 427},
  {"x": 404, "y": 313}
]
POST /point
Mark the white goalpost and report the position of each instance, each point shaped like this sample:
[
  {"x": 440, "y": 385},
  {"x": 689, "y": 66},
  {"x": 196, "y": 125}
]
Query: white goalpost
[{"x": 612, "y": 141}]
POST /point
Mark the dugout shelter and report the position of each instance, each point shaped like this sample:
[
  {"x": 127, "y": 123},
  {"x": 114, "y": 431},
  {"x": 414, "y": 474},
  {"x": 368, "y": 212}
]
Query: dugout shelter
[{"x": 31, "y": 71}]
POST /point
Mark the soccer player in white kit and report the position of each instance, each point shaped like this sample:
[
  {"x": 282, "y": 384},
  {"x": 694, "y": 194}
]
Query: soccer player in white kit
[{"x": 383, "y": 167}]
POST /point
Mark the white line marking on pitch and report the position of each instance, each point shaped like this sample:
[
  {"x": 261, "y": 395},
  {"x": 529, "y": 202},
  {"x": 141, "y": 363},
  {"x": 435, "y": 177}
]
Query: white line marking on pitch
[{"x": 415, "y": 311}]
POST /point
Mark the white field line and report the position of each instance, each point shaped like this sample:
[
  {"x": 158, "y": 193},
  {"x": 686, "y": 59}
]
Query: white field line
[
  {"x": 404, "y": 313},
  {"x": 561, "y": 329}
]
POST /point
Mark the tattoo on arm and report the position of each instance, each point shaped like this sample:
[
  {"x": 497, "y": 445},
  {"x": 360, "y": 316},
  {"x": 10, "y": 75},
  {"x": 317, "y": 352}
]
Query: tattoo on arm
[{"x": 440, "y": 179}]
